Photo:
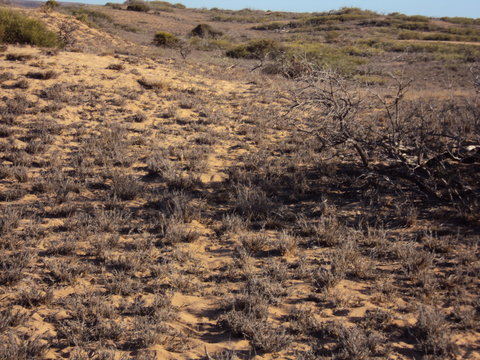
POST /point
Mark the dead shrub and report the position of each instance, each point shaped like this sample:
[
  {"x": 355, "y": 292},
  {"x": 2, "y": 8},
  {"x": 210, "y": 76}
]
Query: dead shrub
[
  {"x": 117, "y": 66},
  {"x": 356, "y": 344},
  {"x": 303, "y": 321},
  {"x": 138, "y": 117},
  {"x": 9, "y": 219},
  {"x": 10, "y": 318},
  {"x": 175, "y": 231},
  {"x": 178, "y": 205},
  {"x": 33, "y": 295},
  {"x": 63, "y": 247},
  {"x": 232, "y": 223},
  {"x": 262, "y": 335},
  {"x": 252, "y": 202},
  {"x": 286, "y": 244},
  {"x": 433, "y": 334},
  {"x": 19, "y": 348},
  {"x": 65, "y": 272},
  {"x": 12, "y": 267},
  {"x": 19, "y": 57},
  {"x": 42, "y": 75},
  {"x": 326, "y": 278},
  {"x": 254, "y": 243},
  {"x": 120, "y": 283},
  {"x": 156, "y": 85},
  {"x": 126, "y": 187},
  {"x": 147, "y": 332},
  {"x": 18, "y": 105},
  {"x": 12, "y": 194}
]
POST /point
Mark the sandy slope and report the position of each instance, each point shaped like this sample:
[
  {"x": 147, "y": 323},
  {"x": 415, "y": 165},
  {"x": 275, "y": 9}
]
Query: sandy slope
[{"x": 96, "y": 96}]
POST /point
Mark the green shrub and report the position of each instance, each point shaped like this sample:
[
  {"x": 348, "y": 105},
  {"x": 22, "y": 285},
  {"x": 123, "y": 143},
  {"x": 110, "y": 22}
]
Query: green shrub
[
  {"x": 276, "y": 25},
  {"x": 16, "y": 28},
  {"x": 414, "y": 25},
  {"x": 467, "y": 31},
  {"x": 209, "y": 44},
  {"x": 126, "y": 27},
  {"x": 312, "y": 22},
  {"x": 206, "y": 31},
  {"x": 345, "y": 60},
  {"x": 354, "y": 11},
  {"x": 414, "y": 18},
  {"x": 409, "y": 35},
  {"x": 256, "y": 49},
  {"x": 370, "y": 79},
  {"x": 332, "y": 36},
  {"x": 440, "y": 37},
  {"x": 376, "y": 22},
  {"x": 138, "y": 6},
  {"x": 461, "y": 20},
  {"x": 163, "y": 5},
  {"x": 51, "y": 5},
  {"x": 468, "y": 53},
  {"x": 165, "y": 39},
  {"x": 449, "y": 35}
]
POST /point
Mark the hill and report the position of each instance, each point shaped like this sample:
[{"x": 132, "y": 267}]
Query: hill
[{"x": 272, "y": 185}]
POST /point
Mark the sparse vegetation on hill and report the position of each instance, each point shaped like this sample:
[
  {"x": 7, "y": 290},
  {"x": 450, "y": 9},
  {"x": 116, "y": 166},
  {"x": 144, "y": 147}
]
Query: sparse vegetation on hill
[
  {"x": 268, "y": 185},
  {"x": 88, "y": 16}
]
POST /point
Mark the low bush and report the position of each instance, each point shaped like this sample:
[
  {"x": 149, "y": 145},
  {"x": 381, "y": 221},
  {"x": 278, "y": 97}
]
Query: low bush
[
  {"x": 138, "y": 6},
  {"x": 256, "y": 49},
  {"x": 206, "y": 31},
  {"x": 466, "y": 53},
  {"x": 409, "y": 35},
  {"x": 461, "y": 20},
  {"x": 276, "y": 25},
  {"x": 50, "y": 5},
  {"x": 344, "y": 60},
  {"x": 165, "y": 39},
  {"x": 414, "y": 25},
  {"x": 433, "y": 334},
  {"x": 167, "y": 4},
  {"x": 16, "y": 28},
  {"x": 115, "y": 6},
  {"x": 42, "y": 75},
  {"x": 209, "y": 44}
]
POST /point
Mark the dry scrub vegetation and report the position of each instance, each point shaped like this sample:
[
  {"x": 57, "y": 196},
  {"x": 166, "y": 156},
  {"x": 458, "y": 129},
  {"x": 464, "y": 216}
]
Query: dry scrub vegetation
[{"x": 238, "y": 201}]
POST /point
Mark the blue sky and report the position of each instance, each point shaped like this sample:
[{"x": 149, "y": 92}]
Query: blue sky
[{"x": 468, "y": 8}]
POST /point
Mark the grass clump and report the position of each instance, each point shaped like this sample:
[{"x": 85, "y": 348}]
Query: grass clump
[{"x": 16, "y": 28}]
